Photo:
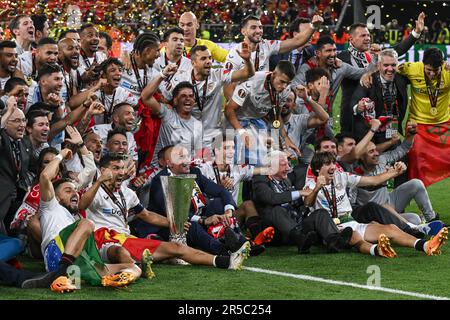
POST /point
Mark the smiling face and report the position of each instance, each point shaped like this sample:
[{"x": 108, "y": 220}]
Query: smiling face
[
  {"x": 289, "y": 106},
  {"x": 53, "y": 82},
  {"x": 150, "y": 54},
  {"x": 225, "y": 154},
  {"x": 431, "y": 73},
  {"x": 48, "y": 53},
  {"x": 69, "y": 52},
  {"x": 94, "y": 144},
  {"x": 39, "y": 130},
  {"x": 327, "y": 170},
  {"x": 89, "y": 39},
  {"x": 371, "y": 157},
  {"x": 328, "y": 146},
  {"x": 184, "y": 101},
  {"x": 25, "y": 30},
  {"x": 387, "y": 67},
  {"x": 178, "y": 160},
  {"x": 124, "y": 117},
  {"x": 117, "y": 168},
  {"x": 253, "y": 31},
  {"x": 67, "y": 196},
  {"x": 113, "y": 75},
  {"x": 117, "y": 143},
  {"x": 8, "y": 59},
  {"x": 327, "y": 54},
  {"x": 15, "y": 125}
]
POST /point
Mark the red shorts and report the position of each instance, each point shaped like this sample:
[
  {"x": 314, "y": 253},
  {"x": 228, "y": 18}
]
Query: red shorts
[{"x": 134, "y": 245}]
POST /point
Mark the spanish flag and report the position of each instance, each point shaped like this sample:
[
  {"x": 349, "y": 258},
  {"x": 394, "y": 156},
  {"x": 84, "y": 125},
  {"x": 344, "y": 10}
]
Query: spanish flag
[{"x": 429, "y": 158}]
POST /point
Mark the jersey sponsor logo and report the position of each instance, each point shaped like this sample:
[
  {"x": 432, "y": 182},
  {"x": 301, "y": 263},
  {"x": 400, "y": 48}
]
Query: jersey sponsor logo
[
  {"x": 242, "y": 93},
  {"x": 107, "y": 211}
]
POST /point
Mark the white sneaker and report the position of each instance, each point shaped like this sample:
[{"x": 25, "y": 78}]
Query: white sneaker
[{"x": 238, "y": 257}]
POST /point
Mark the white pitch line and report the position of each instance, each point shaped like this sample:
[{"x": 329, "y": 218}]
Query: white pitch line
[{"x": 348, "y": 284}]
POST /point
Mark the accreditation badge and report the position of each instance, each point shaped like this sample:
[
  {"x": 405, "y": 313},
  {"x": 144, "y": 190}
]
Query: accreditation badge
[{"x": 392, "y": 128}]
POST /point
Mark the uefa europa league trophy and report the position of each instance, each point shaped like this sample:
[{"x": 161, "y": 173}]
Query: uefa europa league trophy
[{"x": 177, "y": 196}]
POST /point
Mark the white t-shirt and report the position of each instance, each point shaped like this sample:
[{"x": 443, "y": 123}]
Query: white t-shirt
[
  {"x": 3, "y": 81},
  {"x": 211, "y": 113},
  {"x": 54, "y": 218},
  {"x": 130, "y": 82},
  {"x": 342, "y": 180},
  {"x": 184, "y": 67},
  {"x": 254, "y": 99},
  {"x": 176, "y": 130},
  {"x": 267, "y": 48},
  {"x": 104, "y": 213},
  {"x": 297, "y": 128},
  {"x": 237, "y": 172},
  {"x": 120, "y": 95},
  {"x": 26, "y": 63},
  {"x": 102, "y": 131},
  {"x": 98, "y": 56}
]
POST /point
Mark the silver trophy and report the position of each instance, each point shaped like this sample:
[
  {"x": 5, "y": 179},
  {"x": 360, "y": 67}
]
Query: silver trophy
[{"x": 177, "y": 196}]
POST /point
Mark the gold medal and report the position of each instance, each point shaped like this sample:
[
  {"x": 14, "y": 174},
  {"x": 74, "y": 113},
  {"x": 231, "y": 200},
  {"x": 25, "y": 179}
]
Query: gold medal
[
  {"x": 337, "y": 221},
  {"x": 434, "y": 111},
  {"x": 276, "y": 124}
]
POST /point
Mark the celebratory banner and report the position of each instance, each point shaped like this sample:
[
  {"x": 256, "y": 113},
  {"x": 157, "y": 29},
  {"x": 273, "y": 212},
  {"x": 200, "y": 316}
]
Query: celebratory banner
[{"x": 429, "y": 159}]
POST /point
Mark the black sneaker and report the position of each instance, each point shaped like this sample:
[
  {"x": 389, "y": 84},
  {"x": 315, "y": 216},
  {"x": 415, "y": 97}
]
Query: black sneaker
[
  {"x": 256, "y": 249},
  {"x": 346, "y": 236},
  {"x": 232, "y": 240},
  {"x": 309, "y": 239},
  {"x": 41, "y": 281}
]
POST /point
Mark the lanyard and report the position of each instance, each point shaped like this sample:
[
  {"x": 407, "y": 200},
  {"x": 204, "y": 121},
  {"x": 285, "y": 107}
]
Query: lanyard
[
  {"x": 217, "y": 173},
  {"x": 331, "y": 200},
  {"x": 138, "y": 76},
  {"x": 33, "y": 63},
  {"x": 86, "y": 59},
  {"x": 274, "y": 98},
  {"x": 433, "y": 96},
  {"x": 70, "y": 85},
  {"x": 122, "y": 206},
  {"x": 200, "y": 103},
  {"x": 108, "y": 112},
  {"x": 168, "y": 79},
  {"x": 257, "y": 58}
]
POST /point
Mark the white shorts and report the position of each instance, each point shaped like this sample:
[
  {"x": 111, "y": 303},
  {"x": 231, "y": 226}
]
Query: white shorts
[
  {"x": 356, "y": 226},
  {"x": 104, "y": 251}
]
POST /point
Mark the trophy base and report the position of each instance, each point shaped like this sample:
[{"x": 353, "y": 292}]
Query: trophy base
[{"x": 181, "y": 239}]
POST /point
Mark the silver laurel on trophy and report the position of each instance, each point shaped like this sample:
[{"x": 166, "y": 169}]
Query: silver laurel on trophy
[{"x": 177, "y": 192}]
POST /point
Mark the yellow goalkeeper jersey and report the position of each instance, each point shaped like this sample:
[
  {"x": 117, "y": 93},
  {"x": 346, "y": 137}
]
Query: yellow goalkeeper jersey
[{"x": 420, "y": 105}]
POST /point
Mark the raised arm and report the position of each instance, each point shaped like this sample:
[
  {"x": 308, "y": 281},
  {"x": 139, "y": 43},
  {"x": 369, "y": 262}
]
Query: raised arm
[
  {"x": 249, "y": 70},
  {"x": 302, "y": 38},
  {"x": 153, "y": 85},
  {"x": 49, "y": 173},
  {"x": 398, "y": 169},
  {"x": 360, "y": 148},
  {"x": 87, "y": 198}
]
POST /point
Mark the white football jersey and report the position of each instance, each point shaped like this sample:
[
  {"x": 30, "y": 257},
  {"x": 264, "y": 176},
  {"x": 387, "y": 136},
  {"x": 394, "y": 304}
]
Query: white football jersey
[
  {"x": 130, "y": 82},
  {"x": 120, "y": 95},
  {"x": 267, "y": 48}
]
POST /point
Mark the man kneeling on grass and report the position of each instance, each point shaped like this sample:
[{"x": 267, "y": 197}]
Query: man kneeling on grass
[
  {"x": 111, "y": 205},
  {"x": 329, "y": 193}
]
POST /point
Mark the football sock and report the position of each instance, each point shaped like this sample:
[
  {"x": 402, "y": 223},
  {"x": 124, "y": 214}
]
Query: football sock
[
  {"x": 420, "y": 245},
  {"x": 374, "y": 250},
  {"x": 67, "y": 259},
  {"x": 222, "y": 262}
]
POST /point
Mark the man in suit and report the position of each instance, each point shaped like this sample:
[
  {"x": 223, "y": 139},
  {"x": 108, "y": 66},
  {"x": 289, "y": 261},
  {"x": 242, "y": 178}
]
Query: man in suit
[
  {"x": 278, "y": 204},
  {"x": 388, "y": 98},
  {"x": 211, "y": 205},
  {"x": 358, "y": 56},
  {"x": 13, "y": 162}
]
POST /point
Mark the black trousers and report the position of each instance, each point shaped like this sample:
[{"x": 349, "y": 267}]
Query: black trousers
[
  {"x": 13, "y": 277},
  {"x": 284, "y": 221},
  {"x": 374, "y": 212}
]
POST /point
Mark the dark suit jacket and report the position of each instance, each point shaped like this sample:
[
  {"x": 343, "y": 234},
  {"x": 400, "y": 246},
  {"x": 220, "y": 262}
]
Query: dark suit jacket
[
  {"x": 307, "y": 53},
  {"x": 264, "y": 195},
  {"x": 208, "y": 188},
  {"x": 349, "y": 86},
  {"x": 10, "y": 179},
  {"x": 375, "y": 94}
]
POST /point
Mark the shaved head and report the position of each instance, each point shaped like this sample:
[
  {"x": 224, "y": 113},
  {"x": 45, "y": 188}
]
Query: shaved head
[
  {"x": 63, "y": 43},
  {"x": 188, "y": 22}
]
